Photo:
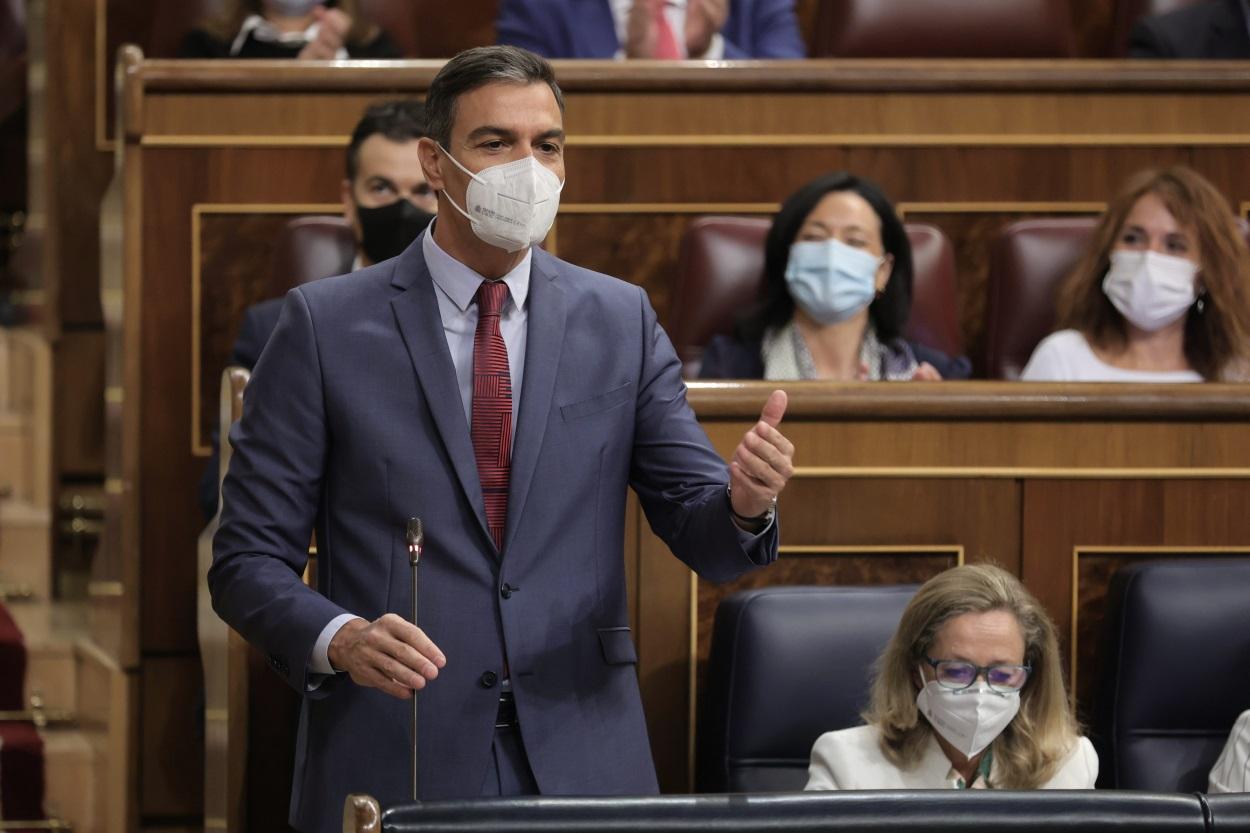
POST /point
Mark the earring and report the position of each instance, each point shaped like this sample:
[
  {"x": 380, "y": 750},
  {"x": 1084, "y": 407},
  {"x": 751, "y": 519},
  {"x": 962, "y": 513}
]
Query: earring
[{"x": 1201, "y": 305}]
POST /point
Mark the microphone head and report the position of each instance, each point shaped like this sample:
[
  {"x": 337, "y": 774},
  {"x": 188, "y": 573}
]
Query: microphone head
[{"x": 414, "y": 534}]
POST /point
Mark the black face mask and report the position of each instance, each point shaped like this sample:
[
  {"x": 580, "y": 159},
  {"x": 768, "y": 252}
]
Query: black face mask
[{"x": 389, "y": 229}]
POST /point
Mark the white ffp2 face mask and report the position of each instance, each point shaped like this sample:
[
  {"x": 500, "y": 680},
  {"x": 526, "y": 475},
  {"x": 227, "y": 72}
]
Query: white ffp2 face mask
[
  {"x": 1150, "y": 289},
  {"x": 969, "y": 719},
  {"x": 512, "y": 205}
]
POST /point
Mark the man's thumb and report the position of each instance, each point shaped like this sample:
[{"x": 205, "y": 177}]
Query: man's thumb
[{"x": 774, "y": 408}]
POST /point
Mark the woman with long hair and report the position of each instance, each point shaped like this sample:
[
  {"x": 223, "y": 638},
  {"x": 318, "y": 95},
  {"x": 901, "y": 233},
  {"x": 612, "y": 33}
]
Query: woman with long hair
[
  {"x": 1162, "y": 293},
  {"x": 969, "y": 693}
]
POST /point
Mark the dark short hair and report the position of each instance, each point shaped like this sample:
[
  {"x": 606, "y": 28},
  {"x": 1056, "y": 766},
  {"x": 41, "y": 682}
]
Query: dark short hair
[
  {"x": 888, "y": 311},
  {"x": 475, "y": 68},
  {"x": 400, "y": 120}
]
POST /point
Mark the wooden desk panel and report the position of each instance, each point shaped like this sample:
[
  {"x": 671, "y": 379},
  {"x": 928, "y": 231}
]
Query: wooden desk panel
[{"x": 216, "y": 154}]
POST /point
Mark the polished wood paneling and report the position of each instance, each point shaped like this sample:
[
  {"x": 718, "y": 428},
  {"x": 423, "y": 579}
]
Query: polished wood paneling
[
  {"x": 79, "y": 429},
  {"x": 171, "y": 745}
]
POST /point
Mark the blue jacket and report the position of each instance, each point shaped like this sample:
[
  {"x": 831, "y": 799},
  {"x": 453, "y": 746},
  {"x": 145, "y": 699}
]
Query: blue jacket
[
  {"x": 585, "y": 28},
  {"x": 353, "y": 423}
]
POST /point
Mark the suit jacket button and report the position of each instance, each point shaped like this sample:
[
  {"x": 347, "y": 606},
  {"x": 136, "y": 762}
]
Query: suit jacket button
[
  {"x": 506, "y": 591},
  {"x": 488, "y": 679}
]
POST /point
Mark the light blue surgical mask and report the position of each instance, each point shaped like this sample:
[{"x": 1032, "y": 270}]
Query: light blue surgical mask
[{"x": 830, "y": 280}]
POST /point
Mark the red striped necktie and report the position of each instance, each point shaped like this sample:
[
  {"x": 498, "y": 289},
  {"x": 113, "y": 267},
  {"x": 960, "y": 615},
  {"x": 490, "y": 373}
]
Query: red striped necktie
[{"x": 492, "y": 407}]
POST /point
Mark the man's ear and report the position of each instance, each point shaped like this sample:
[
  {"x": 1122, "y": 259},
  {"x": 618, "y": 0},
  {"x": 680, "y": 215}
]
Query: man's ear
[{"x": 431, "y": 163}]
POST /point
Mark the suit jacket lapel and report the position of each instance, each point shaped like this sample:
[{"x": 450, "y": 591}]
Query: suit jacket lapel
[
  {"x": 421, "y": 327},
  {"x": 544, "y": 341}
]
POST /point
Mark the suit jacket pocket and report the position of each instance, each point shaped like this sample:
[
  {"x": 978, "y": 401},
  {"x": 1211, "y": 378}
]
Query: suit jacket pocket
[
  {"x": 618, "y": 646},
  {"x": 595, "y": 404}
]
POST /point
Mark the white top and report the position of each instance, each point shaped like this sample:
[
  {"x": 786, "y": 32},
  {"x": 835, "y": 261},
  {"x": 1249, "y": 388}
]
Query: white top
[
  {"x": 1066, "y": 356},
  {"x": 1231, "y": 773},
  {"x": 851, "y": 759}
]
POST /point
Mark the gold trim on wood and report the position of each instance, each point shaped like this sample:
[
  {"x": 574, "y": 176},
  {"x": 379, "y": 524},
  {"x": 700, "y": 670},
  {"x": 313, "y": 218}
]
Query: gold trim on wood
[
  {"x": 764, "y": 140},
  {"x": 1018, "y": 473},
  {"x": 1131, "y": 551},
  {"x": 669, "y": 208},
  {"x": 198, "y": 210},
  {"x": 1009, "y": 207},
  {"x": 102, "y": 78}
]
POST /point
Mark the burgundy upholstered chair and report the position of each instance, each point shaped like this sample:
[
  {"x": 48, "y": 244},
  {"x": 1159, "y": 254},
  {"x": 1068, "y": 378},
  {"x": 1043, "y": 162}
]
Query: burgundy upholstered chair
[
  {"x": 721, "y": 269},
  {"x": 944, "y": 29},
  {"x": 311, "y": 248},
  {"x": 1028, "y": 262}
]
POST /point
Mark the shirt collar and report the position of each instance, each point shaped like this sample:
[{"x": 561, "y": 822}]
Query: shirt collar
[{"x": 459, "y": 283}]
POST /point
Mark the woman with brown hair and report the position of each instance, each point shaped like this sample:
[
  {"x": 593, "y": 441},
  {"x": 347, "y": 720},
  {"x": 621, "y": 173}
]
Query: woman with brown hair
[
  {"x": 311, "y": 30},
  {"x": 969, "y": 693},
  {"x": 1161, "y": 294}
]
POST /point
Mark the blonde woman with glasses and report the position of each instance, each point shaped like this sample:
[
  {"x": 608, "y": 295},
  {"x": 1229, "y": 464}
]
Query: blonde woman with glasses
[{"x": 968, "y": 694}]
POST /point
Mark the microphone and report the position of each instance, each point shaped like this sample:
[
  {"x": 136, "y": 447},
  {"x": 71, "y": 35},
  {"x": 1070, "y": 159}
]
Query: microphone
[{"x": 414, "y": 535}]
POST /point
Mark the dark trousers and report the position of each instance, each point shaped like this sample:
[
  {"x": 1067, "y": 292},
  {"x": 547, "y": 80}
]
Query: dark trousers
[{"x": 509, "y": 772}]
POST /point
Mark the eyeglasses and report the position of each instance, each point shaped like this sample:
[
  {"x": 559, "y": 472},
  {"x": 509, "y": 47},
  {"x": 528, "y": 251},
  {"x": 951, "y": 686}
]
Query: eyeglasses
[{"x": 958, "y": 675}]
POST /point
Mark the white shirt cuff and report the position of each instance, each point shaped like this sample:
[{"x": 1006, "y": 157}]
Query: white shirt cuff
[{"x": 320, "y": 661}]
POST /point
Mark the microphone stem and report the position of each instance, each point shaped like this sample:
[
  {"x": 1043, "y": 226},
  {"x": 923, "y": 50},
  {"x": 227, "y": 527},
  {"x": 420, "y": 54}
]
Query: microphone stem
[{"x": 415, "y": 796}]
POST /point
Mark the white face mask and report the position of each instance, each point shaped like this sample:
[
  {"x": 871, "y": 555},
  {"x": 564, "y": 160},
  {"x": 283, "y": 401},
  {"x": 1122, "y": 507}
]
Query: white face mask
[
  {"x": 969, "y": 719},
  {"x": 512, "y": 205},
  {"x": 1150, "y": 289}
]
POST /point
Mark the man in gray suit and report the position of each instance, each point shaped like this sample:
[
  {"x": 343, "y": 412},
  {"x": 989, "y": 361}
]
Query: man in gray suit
[{"x": 508, "y": 399}]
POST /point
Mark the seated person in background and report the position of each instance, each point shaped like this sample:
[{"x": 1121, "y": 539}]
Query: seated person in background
[
  {"x": 1231, "y": 773},
  {"x": 310, "y": 30},
  {"x": 968, "y": 694},
  {"x": 837, "y": 291},
  {"x": 665, "y": 29},
  {"x": 1215, "y": 29},
  {"x": 387, "y": 202},
  {"x": 1162, "y": 294}
]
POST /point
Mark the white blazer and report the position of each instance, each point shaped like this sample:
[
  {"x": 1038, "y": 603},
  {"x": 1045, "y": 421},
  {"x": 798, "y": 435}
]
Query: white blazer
[
  {"x": 851, "y": 759},
  {"x": 1231, "y": 773}
]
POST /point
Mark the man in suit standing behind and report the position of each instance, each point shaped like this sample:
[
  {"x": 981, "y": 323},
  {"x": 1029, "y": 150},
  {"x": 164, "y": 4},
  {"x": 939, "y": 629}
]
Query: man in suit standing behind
[
  {"x": 509, "y": 399},
  {"x": 713, "y": 30}
]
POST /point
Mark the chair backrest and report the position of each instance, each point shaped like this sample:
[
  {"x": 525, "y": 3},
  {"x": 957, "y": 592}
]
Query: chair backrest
[
  {"x": 311, "y": 248},
  {"x": 787, "y": 664},
  {"x": 944, "y": 29},
  {"x": 1028, "y": 262},
  {"x": 1128, "y": 12},
  {"x": 1175, "y": 672},
  {"x": 721, "y": 271},
  {"x": 904, "y": 811}
]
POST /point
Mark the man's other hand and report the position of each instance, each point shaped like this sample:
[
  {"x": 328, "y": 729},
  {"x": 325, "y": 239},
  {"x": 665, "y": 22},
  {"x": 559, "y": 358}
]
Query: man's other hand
[
  {"x": 762, "y": 463},
  {"x": 390, "y": 654}
]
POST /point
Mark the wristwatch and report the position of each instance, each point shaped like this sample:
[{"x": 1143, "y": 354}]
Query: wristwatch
[{"x": 759, "y": 521}]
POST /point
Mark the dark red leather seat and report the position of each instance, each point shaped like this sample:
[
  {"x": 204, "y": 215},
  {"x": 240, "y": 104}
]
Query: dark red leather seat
[
  {"x": 721, "y": 268},
  {"x": 944, "y": 29},
  {"x": 310, "y": 248},
  {"x": 1028, "y": 262}
]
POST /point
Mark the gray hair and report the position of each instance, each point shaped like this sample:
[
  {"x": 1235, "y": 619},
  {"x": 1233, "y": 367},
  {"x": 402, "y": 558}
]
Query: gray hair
[{"x": 475, "y": 68}]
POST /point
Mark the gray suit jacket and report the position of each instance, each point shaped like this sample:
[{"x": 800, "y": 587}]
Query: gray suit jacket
[{"x": 353, "y": 422}]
